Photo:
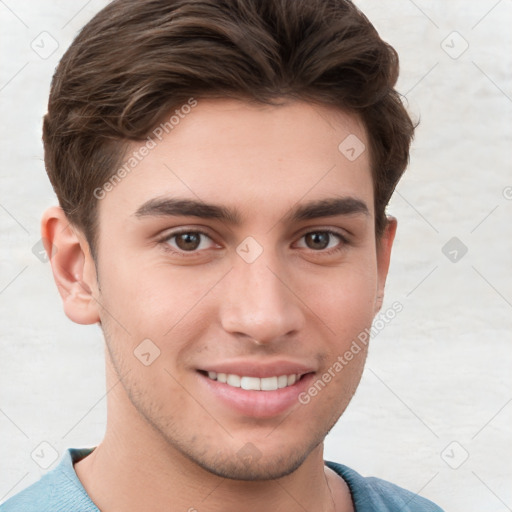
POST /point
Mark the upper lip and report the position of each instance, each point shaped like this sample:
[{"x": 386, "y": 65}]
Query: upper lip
[{"x": 259, "y": 369}]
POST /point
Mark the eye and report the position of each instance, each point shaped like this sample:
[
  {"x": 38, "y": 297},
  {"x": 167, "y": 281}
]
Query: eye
[
  {"x": 189, "y": 241},
  {"x": 321, "y": 240}
]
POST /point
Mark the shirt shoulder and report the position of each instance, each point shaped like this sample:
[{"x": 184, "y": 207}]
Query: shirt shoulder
[
  {"x": 59, "y": 490},
  {"x": 371, "y": 494}
]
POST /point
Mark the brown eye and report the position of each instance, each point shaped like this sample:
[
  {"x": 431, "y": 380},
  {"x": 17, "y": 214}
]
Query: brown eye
[
  {"x": 188, "y": 241},
  {"x": 318, "y": 240}
]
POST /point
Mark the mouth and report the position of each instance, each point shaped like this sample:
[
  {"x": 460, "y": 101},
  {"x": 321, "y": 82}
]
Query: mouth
[
  {"x": 255, "y": 391},
  {"x": 249, "y": 383}
]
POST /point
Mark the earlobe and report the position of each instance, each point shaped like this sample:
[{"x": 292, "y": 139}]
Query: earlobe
[
  {"x": 72, "y": 266},
  {"x": 384, "y": 246}
]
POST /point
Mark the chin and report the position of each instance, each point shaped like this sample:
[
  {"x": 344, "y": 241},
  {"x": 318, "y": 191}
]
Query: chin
[
  {"x": 251, "y": 468},
  {"x": 250, "y": 463}
]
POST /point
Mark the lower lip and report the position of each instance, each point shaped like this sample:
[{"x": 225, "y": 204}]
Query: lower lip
[{"x": 257, "y": 404}]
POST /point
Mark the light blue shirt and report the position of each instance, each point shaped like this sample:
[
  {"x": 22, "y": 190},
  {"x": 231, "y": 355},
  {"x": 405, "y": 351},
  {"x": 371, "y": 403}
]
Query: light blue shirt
[{"x": 60, "y": 490}]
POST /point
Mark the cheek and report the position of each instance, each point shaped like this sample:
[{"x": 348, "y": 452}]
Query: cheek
[
  {"x": 137, "y": 290},
  {"x": 154, "y": 302},
  {"x": 346, "y": 305},
  {"x": 345, "y": 299}
]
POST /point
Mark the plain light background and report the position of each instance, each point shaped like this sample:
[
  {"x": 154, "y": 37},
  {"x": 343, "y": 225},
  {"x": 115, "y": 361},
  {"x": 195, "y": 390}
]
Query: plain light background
[{"x": 433, "y": 411}]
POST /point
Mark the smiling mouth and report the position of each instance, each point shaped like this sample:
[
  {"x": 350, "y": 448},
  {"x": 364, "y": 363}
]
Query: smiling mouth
[{"x": 254, "y": 383}]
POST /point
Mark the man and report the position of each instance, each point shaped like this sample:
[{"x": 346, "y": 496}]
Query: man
[{"x": 222, "y": 169}]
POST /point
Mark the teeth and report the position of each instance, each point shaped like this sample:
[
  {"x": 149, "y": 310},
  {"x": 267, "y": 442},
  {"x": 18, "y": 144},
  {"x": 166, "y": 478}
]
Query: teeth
[
  {"x": 269, "y": 384},
  {"x": 282, "y": 381},
  {"x": 250, "y": 383},
  {"x": 233, "y": 380},
  {"x": 255, "y": 383}
]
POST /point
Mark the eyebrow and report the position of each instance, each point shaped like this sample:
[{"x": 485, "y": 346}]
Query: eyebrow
[
  {"x": 328, "y": 208},
  {"x": 168, "y": 207}
]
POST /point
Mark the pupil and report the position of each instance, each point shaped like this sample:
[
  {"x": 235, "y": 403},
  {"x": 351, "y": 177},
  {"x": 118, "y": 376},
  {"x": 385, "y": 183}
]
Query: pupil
[
  {"x": 188, "y": 241},
  {"x": 319, "y": 240}
]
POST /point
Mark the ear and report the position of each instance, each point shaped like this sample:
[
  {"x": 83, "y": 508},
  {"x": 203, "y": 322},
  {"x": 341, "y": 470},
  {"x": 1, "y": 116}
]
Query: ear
[
  {"x": 73, "y": 267},
  {"x": 384, "y": 246}
]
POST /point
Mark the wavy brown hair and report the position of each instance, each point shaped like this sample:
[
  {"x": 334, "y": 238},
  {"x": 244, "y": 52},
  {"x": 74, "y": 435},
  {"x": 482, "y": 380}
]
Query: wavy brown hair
[{"x": 137, "y": 61}]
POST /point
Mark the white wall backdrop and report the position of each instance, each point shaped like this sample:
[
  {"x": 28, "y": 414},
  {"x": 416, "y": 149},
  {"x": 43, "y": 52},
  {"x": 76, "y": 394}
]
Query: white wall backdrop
[{"x": 434, "y": 409}]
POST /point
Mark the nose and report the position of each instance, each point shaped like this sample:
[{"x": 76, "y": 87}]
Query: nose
[{"x": 259, "y": 303}]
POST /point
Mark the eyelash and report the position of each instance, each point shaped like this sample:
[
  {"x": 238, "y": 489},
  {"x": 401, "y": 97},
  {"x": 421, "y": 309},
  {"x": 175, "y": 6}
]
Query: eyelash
[
  {"x": 343, "y": 241},
  {"x": 164, "y": 241}
]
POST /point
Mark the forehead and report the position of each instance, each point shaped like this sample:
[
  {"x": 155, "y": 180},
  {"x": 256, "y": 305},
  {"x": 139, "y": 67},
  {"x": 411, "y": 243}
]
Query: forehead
[{"x": 255, "y": 158}]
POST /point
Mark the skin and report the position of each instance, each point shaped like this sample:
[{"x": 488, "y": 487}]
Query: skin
[{"x": 170, "y": 443}]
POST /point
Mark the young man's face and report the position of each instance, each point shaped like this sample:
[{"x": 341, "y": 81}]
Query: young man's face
[{"x": 242, "y": 244}]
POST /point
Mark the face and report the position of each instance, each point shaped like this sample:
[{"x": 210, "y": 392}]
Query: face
[{"x": 237, "y": 262}]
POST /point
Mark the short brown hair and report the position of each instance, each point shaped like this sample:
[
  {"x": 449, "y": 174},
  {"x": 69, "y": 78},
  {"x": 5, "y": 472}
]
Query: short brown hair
[{"x": 137, "y": 60}]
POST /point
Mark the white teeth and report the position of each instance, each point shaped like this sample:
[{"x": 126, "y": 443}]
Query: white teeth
[
  {"x": 250, "y": 383},
  {"x": 255, "y": 383},
  {"x": 233, "y": 380},
  {"x": 269, "y": 384},
  {"x": 282, "y": 381}
]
